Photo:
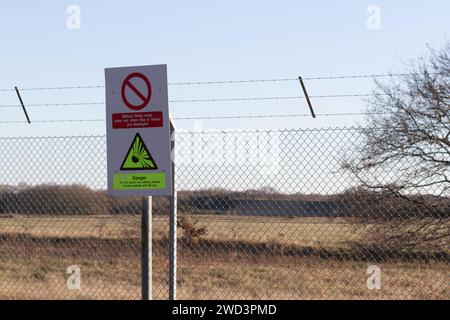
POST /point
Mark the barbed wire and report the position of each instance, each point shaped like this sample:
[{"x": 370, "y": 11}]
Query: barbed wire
[
  {"x": 357, "y": 95},
  {"x": 215, "y": 117},
  {"x": 279, "y": 116},
  {"x": 187, "y": 83},
  {"x": 68, "y": 104},
  {"x": 64, "y": 104},
  {"x": 57, "y": 88},
  {"x": 55, "y": 120}
]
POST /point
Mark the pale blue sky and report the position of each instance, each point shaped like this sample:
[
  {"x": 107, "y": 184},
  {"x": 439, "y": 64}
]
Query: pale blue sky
[{"x": 202, "y": 41}]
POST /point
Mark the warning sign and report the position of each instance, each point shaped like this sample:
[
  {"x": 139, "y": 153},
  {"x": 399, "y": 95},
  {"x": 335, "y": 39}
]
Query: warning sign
[{"x": 138, "y": 156}]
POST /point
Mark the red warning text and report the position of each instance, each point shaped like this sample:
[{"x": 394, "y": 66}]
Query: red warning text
[{"x": 137, "y": 120}]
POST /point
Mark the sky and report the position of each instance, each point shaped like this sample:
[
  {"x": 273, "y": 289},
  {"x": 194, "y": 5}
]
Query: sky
[{"x": 207, "y": 41}]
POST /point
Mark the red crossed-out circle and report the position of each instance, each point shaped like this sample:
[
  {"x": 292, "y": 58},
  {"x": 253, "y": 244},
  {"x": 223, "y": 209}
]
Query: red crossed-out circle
[{"x": 144, "y": 97}]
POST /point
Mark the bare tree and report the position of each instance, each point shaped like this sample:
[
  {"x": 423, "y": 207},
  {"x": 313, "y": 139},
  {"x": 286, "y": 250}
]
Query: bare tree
[
  {"x": 407, "y": 148},
  {"x": 409, "y": 129}
]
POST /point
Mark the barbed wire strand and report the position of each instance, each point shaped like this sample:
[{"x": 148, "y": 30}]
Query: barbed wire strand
[
  {"x": 358, "y": 95},
  {"x": 278, "y": 116},
  {"x": 212, "y": 117},
  {"x": 339, "y": 77}
]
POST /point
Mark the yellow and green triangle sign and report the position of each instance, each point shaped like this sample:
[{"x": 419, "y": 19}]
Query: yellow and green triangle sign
[{"x": 138, "y": 156}]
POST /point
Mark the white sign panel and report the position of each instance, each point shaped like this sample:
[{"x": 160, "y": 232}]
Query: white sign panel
[{"x": 138, "y": 131}]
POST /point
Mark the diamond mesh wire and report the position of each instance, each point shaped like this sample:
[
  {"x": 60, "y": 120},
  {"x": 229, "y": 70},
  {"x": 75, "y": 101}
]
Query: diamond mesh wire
[{"x": 261, "y": 215}]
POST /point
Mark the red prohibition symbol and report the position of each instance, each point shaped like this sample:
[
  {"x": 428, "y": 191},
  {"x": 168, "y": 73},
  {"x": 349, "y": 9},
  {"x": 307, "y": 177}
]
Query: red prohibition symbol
[{"x": 143, "y": 96}]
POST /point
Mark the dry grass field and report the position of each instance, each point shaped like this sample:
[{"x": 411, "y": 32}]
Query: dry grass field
[
  {"x": 289, "y": 231},
  {"x": 237, "y": 258}
]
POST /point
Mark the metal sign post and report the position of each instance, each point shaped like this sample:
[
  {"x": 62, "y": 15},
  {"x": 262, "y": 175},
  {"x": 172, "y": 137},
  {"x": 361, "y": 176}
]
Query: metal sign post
[
  {"x": 146, "y": 250},
  {"x": 173, "y": 224}
]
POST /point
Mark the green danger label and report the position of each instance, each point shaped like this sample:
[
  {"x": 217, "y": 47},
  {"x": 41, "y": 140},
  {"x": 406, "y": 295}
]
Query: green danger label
[{"x": 134, "y": 181}]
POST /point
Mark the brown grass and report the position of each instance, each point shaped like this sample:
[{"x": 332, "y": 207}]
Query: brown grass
[
  {"x": 280, "y": 258},
  {"x": 296, "y": 231}
]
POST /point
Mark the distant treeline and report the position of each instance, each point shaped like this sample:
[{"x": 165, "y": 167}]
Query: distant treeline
[{"x": 356, "y": 202}]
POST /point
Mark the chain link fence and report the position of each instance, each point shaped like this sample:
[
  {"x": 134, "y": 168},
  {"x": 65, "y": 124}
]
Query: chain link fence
[{"x": 261, "y": 215}]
